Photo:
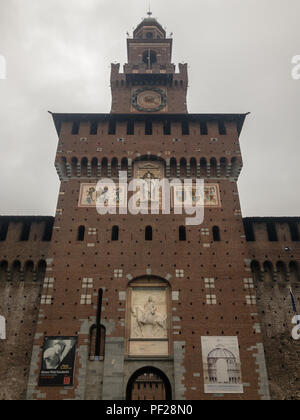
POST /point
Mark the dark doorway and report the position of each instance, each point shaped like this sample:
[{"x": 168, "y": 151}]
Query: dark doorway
[{"x": 147, "y": 384}]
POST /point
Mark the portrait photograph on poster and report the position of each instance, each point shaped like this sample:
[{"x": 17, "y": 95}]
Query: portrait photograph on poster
[{"x": 58, "y": 361}]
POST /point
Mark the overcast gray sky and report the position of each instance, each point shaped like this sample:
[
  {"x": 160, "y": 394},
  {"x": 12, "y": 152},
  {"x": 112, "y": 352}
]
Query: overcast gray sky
[{"x": 58, "y": 56}]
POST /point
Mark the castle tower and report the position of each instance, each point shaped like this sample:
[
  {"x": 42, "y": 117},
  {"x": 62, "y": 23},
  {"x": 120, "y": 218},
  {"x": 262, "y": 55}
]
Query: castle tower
[
  {"x": 149, "y": 65},
  {"x": 145, "y": 306}
]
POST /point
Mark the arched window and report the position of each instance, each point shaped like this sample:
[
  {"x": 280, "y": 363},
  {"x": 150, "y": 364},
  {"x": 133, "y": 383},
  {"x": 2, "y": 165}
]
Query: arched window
[
  {"x": 173, "y": 168},
  {"x": 223, "y": 167},
  {"x": 115, "y": 233},
  {"x": 16, "y": 271},
  {"x": 216, "y": 234},
  {"x": 256, "y": 272},
  {"x": 3, "y": 270},
  {"x": 114, "y": 168},
  {"x": 28, "y": 271},
  {"x": 74, "y": 166},
  {"x": 124, "y": 164},
  {"x": 94, "y": 167},
  {"x": 213, "y": 167},
  {"x": 193, "y": 168},
  {"x": 81, "y": 233},
  {"x": 281, "y": 272},
  {"x": 268, "y": 272},
  {"x": 182, "y": 233},
  {"x": 84, "y": 166},
  {"x": 148, "y": 233},
  {"x": 294, "y": 271},
  {"x": 149, "y": 57},
  {"x": 183, "y": 168},
  {"x": 41, "y": 271},
  {"x": 203, "y": 168},
  {"x": 104, "y": 165}
]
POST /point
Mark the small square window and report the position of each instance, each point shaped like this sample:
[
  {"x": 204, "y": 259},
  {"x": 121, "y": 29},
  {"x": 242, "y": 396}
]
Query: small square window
[
  {"x": 85, "y": 300},
  {"x": 87, "y": 283},
  {"x": 46, "y": 300},
  {"x": 251, "y": 300},
  {"x": 118, "y": 273},
  {"x": 211, "y": 299},
  {"x": 179, "y": 274},
  {"x": 209, "y": 283},
  {"x": 248, "y": 283}
]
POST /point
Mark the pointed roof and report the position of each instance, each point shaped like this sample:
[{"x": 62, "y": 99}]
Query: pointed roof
[{"x": 149, "y": 21}]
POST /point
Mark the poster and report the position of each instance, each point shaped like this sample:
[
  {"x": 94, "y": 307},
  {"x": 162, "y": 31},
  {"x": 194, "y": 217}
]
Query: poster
[
  {"x": 58, "y": 360},
  {"x": 221, "y": 365}
]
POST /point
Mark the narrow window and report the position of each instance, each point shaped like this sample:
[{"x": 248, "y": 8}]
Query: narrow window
[
  {"x": 222, "y": 128},
  {"x": 148, "y": 128},
  {"x": 216, "y": 234},
  {"x": 249, "y": 231},
  {"x": 112, "y": 127},
  {"x": 115, "y": 233},
  {"x": 272, "y": 234},
  {"x": 25, "y": 231},
  {"x": 182, "y": 233},
  {"x": 94, "y": 128},
  {"x": 130, "y": 127},
  {"x": 203, "y": 128},
  {"x": 100, "y": 330},
  {"x": 47, "y": 236},
  {"x": 185, "y": 128},
  {"x": 75, "y": 128},
  {"x": 167, "y": 128},
  {"x": 3, "y": 231},
  {"x": 148, "y": 233},
  {"x": 81, "y": 232},
  {"x": 294, "y": 232}
]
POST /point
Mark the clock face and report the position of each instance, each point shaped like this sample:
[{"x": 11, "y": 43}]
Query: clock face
[{"x": 149, "y": 99}]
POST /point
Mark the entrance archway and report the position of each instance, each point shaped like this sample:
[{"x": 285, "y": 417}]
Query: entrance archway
[{"x": 149, "y": 383}]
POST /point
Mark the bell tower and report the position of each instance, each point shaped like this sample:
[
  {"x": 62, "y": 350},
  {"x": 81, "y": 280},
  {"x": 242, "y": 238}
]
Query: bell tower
[{"x": 149, "y": 82}]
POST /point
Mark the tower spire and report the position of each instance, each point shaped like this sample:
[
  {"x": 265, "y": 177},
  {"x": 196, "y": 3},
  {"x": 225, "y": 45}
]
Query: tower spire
[{"x": 149, "y": 13}]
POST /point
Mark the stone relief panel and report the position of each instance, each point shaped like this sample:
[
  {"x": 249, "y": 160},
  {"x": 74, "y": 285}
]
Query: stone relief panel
[
  {"x": 148, "y": 313},
  {"x": 148, "y": 321}
]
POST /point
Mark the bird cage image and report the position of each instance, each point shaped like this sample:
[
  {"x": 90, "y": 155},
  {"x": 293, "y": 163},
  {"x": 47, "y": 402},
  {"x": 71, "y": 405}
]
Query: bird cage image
[{"x": 223, "y": 367}]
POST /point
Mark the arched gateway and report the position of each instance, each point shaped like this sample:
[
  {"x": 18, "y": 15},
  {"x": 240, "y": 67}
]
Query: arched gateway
[{"x": 149, "y": 383}]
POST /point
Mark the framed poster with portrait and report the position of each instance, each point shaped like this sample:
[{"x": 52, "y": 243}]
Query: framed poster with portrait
[{"x": 58, "y": 361}]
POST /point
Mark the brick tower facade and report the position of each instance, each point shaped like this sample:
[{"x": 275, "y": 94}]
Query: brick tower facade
[{"x": 144, "y": 306}]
